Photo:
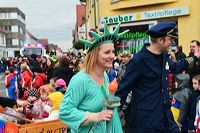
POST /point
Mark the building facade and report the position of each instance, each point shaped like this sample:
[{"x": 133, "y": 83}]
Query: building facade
[
  {"x": 138, "y": 16},
  {"x": 2, "y": 44},
  {"x": 79, "y": 31},
  {"x": 12, "y": 21}
]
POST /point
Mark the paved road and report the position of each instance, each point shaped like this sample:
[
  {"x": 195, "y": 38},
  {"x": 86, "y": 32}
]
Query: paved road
[{"x": 2, "y": 84}]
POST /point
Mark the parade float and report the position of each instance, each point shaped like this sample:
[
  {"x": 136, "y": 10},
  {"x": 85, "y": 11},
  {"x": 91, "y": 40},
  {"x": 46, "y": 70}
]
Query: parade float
[{"x": 13, "y": 122}]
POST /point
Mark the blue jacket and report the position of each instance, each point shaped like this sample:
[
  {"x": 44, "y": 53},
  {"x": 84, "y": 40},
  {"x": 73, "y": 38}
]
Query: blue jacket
[{"x": 149, "y": 84}]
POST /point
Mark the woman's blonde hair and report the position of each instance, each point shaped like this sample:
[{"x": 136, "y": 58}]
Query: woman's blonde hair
[
  {"x": 91, "y": 59},
  {"x": 23, "y": 67}
]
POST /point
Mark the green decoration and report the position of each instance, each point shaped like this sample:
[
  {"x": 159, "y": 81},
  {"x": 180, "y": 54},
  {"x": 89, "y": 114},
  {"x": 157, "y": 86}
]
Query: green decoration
[{"x": 107, "y": 37}]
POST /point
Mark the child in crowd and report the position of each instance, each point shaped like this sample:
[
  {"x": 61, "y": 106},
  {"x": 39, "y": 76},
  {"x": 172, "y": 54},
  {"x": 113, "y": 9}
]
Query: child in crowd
[
  {"x": 196, "y": 86},
  {"x": 26, "y": 81},
  {"x": 52, "y": 81},
  {"x": 11, "y": 83},
  {"x": 40, "y": 78},
  {"x": 53, "y": 98},
  {"x": 45, "y": 90},
  {"x": 78, "y": 66},
  {"x": 181, "y": 100},
  {"x": 35, "y": 108},
  {"x": 60, "y": 85}
]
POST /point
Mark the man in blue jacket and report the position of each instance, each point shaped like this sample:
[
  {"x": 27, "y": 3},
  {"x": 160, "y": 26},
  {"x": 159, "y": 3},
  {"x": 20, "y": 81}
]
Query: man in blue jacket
[{"x": 146, "y": 76}]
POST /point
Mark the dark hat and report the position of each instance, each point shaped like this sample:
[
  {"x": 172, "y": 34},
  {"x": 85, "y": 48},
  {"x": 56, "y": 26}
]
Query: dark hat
[
  {"x": 163, "y": 29},
  {"x": 37, "y": 70},
  {"x": 33, "y": 92}
]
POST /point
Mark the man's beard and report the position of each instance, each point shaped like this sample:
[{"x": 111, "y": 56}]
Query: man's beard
[{"x": 191, "y": 54}]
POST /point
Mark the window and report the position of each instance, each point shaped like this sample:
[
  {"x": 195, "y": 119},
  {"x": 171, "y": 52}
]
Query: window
[
  {"x": 1, "y": 15},
  {"x": 134, "y": 40},
  {"x": 21, "y": 42},
  {"x": 5, "y": 15},
  {"x": 9, "y": 41},
  {"x": 15, "y": 42},
  {"x": 1, "y": 39},
  {"x": 21, "y": 30},
  {"x": 13, "y": 15},
  {"x": 14, "y": 28},
  {"x": 7, "y": 28},
  {"x": 9, "y": 16}
]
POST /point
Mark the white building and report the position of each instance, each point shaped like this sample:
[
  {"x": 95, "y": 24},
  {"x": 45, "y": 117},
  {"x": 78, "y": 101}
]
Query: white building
[
  {"x": 12, "y": 21},
  {"x": 3, "y": 52}
]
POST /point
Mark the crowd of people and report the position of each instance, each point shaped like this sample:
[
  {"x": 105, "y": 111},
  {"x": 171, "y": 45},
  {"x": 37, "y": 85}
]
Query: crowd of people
[
  {"x": 39, "y": 82},
  {"x": 159, "y": 87}
]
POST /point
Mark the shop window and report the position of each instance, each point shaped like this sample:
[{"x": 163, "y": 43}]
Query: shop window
[{"x": 134, "y": 40}]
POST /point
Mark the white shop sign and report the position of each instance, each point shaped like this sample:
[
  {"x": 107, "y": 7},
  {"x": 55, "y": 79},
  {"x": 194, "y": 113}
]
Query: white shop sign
[{"x": 162, "y": 13}]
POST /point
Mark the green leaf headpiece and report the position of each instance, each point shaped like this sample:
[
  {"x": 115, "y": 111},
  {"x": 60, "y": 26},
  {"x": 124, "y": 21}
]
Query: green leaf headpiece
[{"x": 107, "y": 37}]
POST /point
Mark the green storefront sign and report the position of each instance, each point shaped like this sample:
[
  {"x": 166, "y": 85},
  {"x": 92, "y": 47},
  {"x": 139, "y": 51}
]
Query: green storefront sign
[{"x": 130, "y": 35}]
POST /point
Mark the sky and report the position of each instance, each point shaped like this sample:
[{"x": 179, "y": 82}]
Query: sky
[{"x": 51, "y": 19}]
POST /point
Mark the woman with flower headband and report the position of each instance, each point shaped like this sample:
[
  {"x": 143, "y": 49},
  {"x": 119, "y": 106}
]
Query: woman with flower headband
[{"x": 82, "y": 107}]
